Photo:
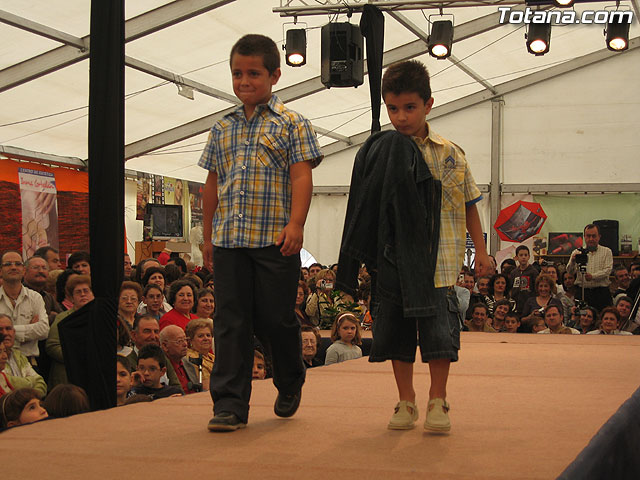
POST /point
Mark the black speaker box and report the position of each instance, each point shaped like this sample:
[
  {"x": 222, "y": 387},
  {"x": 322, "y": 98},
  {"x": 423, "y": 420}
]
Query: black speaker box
[
  {"x": 341, "y": 58},
  {"x": 609, "y": 234}
]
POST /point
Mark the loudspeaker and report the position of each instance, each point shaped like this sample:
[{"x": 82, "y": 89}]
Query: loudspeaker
[
  {"x": 341, "y": 59},
  {"x": 609, "y": 234}
]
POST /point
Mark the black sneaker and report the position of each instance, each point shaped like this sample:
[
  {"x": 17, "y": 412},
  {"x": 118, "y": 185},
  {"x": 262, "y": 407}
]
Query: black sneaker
[
  {"x": 225, "y": 422},
  {"x": 286, "y": 405}
]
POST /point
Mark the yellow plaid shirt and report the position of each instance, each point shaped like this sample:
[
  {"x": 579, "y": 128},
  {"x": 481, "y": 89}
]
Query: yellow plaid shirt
[
  {"x": 447, "y": 163},
  {"x": 252, "y": 159}
]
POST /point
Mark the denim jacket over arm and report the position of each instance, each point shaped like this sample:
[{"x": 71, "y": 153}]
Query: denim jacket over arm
[{"x": 392, "y": 223}]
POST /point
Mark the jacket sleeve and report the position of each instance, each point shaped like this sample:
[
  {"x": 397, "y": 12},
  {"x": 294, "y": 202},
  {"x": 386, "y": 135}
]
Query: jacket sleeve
[{"x": 53, "y": 345}]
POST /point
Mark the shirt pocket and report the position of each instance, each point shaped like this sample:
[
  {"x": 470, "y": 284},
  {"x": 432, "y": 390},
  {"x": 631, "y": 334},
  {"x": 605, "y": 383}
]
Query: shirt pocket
[
  {"x": 452, "y": 185},
  {"x": 273, "y": 148}
]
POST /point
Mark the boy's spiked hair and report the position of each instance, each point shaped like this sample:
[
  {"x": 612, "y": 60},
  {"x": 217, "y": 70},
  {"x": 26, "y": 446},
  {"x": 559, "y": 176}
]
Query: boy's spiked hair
[
  {"x": 258, "y": 45},
  {"x": 152, "y": 351},
  {"x": 410, "y": 76}
]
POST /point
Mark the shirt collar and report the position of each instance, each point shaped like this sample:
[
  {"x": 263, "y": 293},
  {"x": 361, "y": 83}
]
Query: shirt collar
[
  {"x": 274, "y": 104},
  {"x": 431, "y": 136}
]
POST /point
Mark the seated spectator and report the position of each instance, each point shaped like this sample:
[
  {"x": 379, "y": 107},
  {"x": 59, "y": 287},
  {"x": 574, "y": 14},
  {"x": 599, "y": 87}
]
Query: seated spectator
[
  {"x": 301, "y": 304},
  {"x": 128, "y": 300},
  {"x": 507, "y": 266},
  {"x": 502, "y": 307},
  {"x": 142, "y": 267},
  {"x": 25, "y": 307},
  {"x": 195, "y": 280},
  {"x": 586, "y": 319},
  {"x": 259, "y": 371},
  {"x": 553, "y": 319},
  {"x": 174, "y": 345},
  {"x": 551, "y": 270},
  {"x": 304, "y": 274},
  {"x": 483, "y": 285},
  {"x": 634, "y": 270},
  {"x": 21, "y": 407},
  {"x": 182, "y": 296},
  {"x": 151, "y": 368},
  {"x": 346, "y": 338},
  {"x": 128, "y": 268},
  {"x": 322, "y": 303},
  {"x": 123, "y": 338},
  {"x": 205, "y": 305},
  {"x": 624, "y": 305},
  {"x": 310, "y": 341},
  {"x": 538, "y": 325},
  {"x": 207, "y": 281},
  {"x": 479, "y": 319},
  {"x": 65, "y": 400},
  {"x": 511, "y": 322},
  {"x": 17, "y": 364},
  {"x": 6, "y": 382},
  {"x": 172, "y": 273},
  {"x": 123, "y": 380},
  {"x": 79, "y": 290},
  {"x": 534, "y": 307},
  {"x": 609, "y": 321},
  {"x": 474, "y": 297},
  {"x": 498, "y": 292},
  {"x": 364, "y": 301},
  {"x": 36, "y": 273},
  {"x": 623, "y": 279},
  {"x": 51, "y": 256},
  {"x": 200, "y": 337},
  {"x": 145, "y": 332},
  {"x": 50, "y": 286},
  {"x": 569, "y": 286},
  {"x": 153, "y": 302},
  {"x": 80, "y": 263},
  {"x": 61, "y": 289},
  {"x": 314, "y": 269}
]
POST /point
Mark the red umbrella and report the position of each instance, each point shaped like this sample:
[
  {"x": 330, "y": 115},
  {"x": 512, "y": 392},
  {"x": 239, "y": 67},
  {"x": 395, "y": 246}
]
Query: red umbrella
[{"x": 520, "y": 221}]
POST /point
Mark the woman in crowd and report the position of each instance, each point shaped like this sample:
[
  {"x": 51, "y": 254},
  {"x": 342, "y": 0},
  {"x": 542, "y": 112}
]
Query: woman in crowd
[
  {"x": 497, "y": 292},
  {"x": 205, "y": 305},
  {"x": 609, "y": 321},
  {"x": 534, "y": 307},
  {"x": 301, "y": 304},
  {"x": 501, "y": 308},
  {"x": 79, "y": 290},
  {"x": 310, "y": 343},
  {"x": 130, "y": 297},
  {"x": 20, "y": 407},
  {"x": 61, "y": 291},
  {"x": 585, "y": 319},
  {"x": 567, "y": 302},
  {"x": 199, "y": 333},
  {"x": 182, "y": 296},
  {"x": 321, "y": 304}
]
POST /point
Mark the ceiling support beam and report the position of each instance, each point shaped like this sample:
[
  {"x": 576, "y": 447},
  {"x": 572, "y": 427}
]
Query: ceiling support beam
[
  {"x": 502, "y": 89},
  {"x": 303, "y": 89},
  {"x": 42, "y": 30},
  {"x": 136, "y": 27}
]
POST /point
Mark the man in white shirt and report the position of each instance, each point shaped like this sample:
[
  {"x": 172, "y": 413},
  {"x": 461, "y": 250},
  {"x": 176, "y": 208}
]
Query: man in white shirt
[
  {"x": 595, "y": 278},
  {"x": 24, "y": 306}
]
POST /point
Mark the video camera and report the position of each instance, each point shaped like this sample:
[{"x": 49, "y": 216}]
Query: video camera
[
  {"x": 581, "y": 306},
  {"x": 582, "y": 259}
]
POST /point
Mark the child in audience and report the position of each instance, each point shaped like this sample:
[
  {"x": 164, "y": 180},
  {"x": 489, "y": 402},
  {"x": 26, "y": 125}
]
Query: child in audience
[
  {"x": 523, "y": 278},
  {"x": 259, "y": 366},
  {"x": 511, "y": 322},
  {"x": 20, "y": 407},
  {"x": 345, "y": 334},
  {"x": 151, "y": 367},
  {"x": 65, "y": 400},
  {"x": 538, "y": 325},
  {"x": 123, "y": 379}
]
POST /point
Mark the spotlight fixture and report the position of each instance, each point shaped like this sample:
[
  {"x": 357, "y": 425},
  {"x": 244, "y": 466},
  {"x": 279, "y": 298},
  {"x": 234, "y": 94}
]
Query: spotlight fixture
[
  {"x": 556, "y": 3},
  {"x": 296, "y": 47},
  {"x": 617, "y": 35},
  {"x": 441, "y": 38},
  {"x": 563, "y": 3},
  {"x": 538, "y": 38}
]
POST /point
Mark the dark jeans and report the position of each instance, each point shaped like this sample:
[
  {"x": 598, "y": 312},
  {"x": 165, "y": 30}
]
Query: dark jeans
[
  {"x": 598, "y": 297},
  {"x": 255, "y": 290}
]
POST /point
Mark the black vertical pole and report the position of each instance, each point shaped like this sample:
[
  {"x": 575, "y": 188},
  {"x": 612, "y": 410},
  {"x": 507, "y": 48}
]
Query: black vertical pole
[
  {"x": 106, "y": 179},
  {"x": 372, "y": 27}
]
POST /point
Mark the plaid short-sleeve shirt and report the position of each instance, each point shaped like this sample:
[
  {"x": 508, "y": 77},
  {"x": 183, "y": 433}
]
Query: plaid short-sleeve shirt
[
  {"x": 447, "y": 163},
  {"x": 252, "y": 159}
]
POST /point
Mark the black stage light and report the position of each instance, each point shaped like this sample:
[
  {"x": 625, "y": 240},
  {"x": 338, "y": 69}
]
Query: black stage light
[
  {"x": 617, "y": 34},
  {"x": 538, "y": 38},
  {"x": 563, "y": 3},
  {"x": 296, "y": 47},
  {"x": 440, "y": 39}
]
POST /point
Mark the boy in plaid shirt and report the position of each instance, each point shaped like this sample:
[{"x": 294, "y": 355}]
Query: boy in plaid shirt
[{"x": 256, "y": 200}]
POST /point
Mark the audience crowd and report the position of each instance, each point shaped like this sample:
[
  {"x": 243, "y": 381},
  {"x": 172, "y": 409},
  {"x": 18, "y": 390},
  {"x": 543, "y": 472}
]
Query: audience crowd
[{"x": 166, "y": 313}]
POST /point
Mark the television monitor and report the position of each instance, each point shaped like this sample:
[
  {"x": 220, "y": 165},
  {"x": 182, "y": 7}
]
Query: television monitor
[
  {"x": 563, "y": 243},
  {"x": 165, "y": 221}
]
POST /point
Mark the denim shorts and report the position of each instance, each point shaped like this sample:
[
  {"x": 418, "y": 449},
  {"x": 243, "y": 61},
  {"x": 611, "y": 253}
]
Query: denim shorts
[{"x": 396, "y": 337}]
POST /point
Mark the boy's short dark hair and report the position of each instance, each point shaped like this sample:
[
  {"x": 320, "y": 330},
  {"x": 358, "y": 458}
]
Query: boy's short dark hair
[
  {"x": 410, "y": 76},
  {"x": 76, "y": 257},
  {"x": 512, "y": 314},
  {"x": 522, "y": 247},
  {"x": 258, "y": 45},
  {"x": 152, "y": 350}
]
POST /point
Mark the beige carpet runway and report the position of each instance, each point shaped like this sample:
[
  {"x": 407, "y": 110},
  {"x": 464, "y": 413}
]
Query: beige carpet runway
[{"x": 523, "y": 407}]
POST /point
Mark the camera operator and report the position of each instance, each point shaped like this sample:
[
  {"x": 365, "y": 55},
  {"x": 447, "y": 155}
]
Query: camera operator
[{"x": 593, "y": 264}]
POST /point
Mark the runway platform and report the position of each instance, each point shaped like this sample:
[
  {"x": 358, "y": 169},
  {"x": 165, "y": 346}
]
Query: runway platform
[{"x": 523, "y": 407}]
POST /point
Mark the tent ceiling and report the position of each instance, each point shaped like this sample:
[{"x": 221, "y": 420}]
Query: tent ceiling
[{"x": 44, "y": 72}]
